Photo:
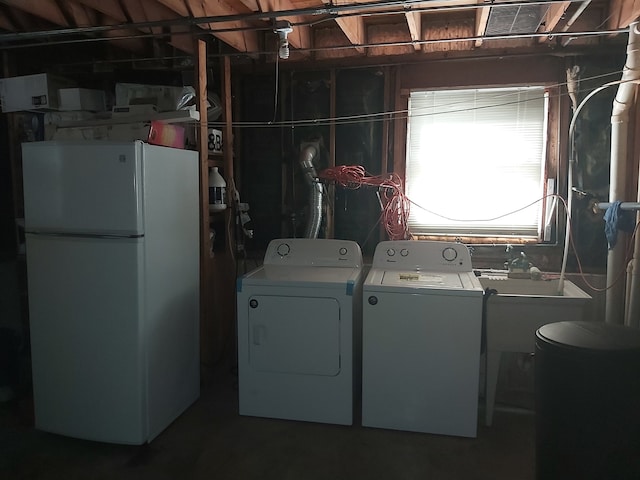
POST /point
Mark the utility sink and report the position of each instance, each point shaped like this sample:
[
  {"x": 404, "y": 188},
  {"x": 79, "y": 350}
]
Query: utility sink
[{"x": 516, "y": 311}]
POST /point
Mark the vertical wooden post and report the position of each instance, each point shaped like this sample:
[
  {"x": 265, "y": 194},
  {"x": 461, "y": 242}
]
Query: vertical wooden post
[
  {"x": 206, "y": 330},
  {"x": 386, "y": 128},
  {"x": 225, "y": 262},
  {"x": 15, "y": 158},
  {"x": 331, "y": 189}
]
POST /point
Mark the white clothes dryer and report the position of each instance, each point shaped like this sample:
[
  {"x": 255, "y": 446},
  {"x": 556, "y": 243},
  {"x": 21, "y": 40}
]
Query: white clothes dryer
[
  {"x": 422, "y": 322},
  {"x": 299, "y": 332}
]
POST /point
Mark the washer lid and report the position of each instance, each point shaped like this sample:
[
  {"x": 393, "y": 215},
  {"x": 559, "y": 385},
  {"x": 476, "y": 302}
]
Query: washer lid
[
  {"x": 275, "y": 275},
  {"x": 421, "y": 279},
  {"x": 402, "y": 280}
]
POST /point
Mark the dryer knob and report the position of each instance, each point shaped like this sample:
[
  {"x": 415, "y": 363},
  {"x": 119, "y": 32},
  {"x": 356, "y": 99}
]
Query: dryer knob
[
  {"x": 449, "y": 254},
  {"x": 391, "y": 252},
  {"x": 343, "y": 251},
  {"x": 373, "y": 300},
  {"x": 253, "y": 303},
  {"x": 283, "y": 249}
]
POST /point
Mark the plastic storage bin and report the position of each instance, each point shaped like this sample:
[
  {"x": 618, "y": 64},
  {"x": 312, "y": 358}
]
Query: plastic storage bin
[{"x": 587, "y": 385}]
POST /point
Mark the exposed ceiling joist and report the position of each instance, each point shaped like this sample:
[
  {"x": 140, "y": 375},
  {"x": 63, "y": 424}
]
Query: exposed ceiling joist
[
  {"x": 82, "y": 16},
  {"x": 368, "y": 27},
  {"x": 352, "y": 27},
  {"x": 46, "y": 9},
  {"x": 555, "y": 13},
  {"x": 110, "y": 8},
  {"x": 623, "y": 12},
  {"x": 6, "y": 23},
  {"x": 414, "y": 22},
  {"x": 243, "y": 41},
  {"x": 482, "y": 18},
  {"x": 140, "y": 12}
]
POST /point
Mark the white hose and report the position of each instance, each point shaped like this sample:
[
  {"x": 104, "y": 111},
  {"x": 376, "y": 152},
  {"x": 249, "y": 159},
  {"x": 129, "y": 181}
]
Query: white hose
[{"x": 572, "y": 127}]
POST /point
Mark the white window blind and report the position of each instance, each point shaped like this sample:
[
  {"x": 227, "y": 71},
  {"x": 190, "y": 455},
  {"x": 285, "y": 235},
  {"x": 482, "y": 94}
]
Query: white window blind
[{"x": 473, "y": 156}]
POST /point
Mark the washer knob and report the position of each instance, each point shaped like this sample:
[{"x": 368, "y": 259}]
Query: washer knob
[
  {"x": 343, "y": 251},
  {"x": 404, "y": 252},
  {"x": 391, "y": 252},
  {"x": 373, "y": 300},
  {"x": 449, "y": 254},
  {"x": 283, "y": 249},
  {"x": 253, "y": 303}
]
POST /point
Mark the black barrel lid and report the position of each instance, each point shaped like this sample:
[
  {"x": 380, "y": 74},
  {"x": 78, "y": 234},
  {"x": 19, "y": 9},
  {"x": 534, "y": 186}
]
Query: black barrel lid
[{"x": 590, "y": 335}]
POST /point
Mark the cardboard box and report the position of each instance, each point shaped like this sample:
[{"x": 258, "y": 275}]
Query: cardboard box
[
  {"x": 165, "y": 98},
  {"x": 124, "y": 132},
  {"x": 82, "y": 99},
  {"x": 166, "y": 135},
  {"x": 31, "y": 92}
]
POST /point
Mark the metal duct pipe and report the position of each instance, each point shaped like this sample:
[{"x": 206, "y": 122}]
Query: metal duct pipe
[
  {"x": 615, "y": 297},
  {"x": 307, "y": 155}
]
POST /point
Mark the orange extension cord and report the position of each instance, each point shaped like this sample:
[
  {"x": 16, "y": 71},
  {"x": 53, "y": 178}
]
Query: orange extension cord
[{"x": 395, "y": 205}]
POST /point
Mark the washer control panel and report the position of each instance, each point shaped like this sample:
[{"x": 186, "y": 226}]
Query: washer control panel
[
  {"x": 321, "y": 252},
  {"x": 422, "y": 255}
]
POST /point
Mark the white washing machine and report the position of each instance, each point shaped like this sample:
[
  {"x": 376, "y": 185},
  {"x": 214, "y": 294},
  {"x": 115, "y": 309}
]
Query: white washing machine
[
  {"x": 422, "y": 322},
  {"x": 299, "y": 332}
]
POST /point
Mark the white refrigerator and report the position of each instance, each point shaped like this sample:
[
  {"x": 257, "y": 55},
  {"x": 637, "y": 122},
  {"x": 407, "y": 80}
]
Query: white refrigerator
[{"x": 112, "y": 246}]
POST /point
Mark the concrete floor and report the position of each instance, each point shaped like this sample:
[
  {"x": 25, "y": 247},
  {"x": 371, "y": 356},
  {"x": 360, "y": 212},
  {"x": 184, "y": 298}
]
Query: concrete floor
[{"x": 211, "y": 441}]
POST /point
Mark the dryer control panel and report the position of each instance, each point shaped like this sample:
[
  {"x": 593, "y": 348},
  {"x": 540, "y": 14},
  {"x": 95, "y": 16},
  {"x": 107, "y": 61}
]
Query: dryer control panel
[
  {"x": 422, "y": 255},
  {"x": 317, "y": 252}
]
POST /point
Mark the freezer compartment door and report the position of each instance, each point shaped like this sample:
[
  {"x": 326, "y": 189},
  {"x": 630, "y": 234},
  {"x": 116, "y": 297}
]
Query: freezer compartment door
[
  {"x": 83, "y": 187},
  {"x": 294, "y": 335},
  {"x": 87, "y": 348}
]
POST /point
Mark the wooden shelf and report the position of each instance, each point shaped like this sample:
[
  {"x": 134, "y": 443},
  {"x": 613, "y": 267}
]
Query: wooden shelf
[{"x": 216, "y": 162}]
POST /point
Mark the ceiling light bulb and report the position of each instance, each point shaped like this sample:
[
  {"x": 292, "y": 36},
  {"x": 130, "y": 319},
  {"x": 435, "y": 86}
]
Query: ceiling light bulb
[
  {"x": 283, "y": 51},
  {"x": 283, "y": 28}
]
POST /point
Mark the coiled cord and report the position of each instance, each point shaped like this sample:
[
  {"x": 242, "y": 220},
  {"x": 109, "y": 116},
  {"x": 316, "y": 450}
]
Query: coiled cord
[{"x": 395, "y": 205}]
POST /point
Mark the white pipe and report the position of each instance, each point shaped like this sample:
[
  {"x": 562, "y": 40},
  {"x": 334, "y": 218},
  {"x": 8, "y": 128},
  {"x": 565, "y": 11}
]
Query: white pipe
[
  {"x": 630, "y": 76},
  {"x": 567, "y": 232},
  {"x": 633, "y": 305},
  {"x": 623, "y": 205},
  {"x": 627, "y": 293},
  {"x": 625, "y": 97}
]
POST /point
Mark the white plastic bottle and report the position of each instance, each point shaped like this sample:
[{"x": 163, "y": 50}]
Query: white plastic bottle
[{"x": 217, "y": 191}]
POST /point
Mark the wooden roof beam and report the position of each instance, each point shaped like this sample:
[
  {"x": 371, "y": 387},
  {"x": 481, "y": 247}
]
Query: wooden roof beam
[
  {"x": 244, "y": 41},
  {"x": 110, "y": 8},
  {"x": 482, "y": 19},
  {"x": 5, "y": 22},
  {"x": 352, "y": 27},
  {"x": 46, "y": 9},
  {"x": 622, "y": 13},
  {"x": 140, "y": 12},
  {"x": 82, "y": 16},
  {"x": 414, "y": 22},
  {"x": 555, "y": 12}
]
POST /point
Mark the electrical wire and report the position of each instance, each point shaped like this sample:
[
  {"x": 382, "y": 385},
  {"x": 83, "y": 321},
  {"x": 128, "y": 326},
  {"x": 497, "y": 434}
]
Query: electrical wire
[
  {"x": 275, "y": 95},
  {"x": 395, "y": 204},
  {"x": 394, "y": 114},
  {"x": 628, "y": 255}
]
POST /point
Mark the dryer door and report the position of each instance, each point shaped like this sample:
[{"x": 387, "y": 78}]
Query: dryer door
[{"x": 294, "y": 335}]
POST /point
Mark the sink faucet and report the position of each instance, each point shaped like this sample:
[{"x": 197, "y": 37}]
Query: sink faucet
[
  {"x": 514, "y": 261},
  {"x": 508, "y": 251}
]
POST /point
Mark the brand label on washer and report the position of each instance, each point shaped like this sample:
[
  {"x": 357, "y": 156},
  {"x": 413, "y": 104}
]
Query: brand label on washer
[{"x": 420, "y": 277}]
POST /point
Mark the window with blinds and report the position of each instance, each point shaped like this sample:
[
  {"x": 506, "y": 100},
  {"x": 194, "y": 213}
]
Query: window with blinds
[{"x": 475, "y": 161}]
